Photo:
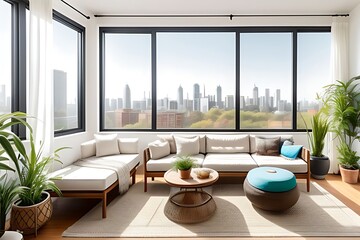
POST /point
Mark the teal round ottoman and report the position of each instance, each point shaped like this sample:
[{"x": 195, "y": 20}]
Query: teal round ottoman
[{"x": 271, "y": 188}]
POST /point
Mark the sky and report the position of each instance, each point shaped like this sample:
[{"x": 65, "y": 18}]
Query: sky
[{"x": 209, "y": 60}]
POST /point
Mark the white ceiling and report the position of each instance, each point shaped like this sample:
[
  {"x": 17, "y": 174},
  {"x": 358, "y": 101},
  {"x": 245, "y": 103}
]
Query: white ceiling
[{"x": 92, "y": 7}]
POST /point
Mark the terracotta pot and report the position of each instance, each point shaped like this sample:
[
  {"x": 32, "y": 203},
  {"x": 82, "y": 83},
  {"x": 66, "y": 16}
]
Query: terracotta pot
[
  {"x": 28, "y": 219},
  {"x": 185, "y": 174},
  {"x": 348, "y": 175}
]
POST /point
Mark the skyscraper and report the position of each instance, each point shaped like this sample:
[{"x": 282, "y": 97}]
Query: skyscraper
[
  {"x": 229, "y": 102},
  {"x": 127, "y": 97},
  {"x": 196, "y": 97},
  {"x": 277, "y": 98},
  {"x": 256, "y": 95},
  {"x": 219, "y": 97},
  {"x": 180, "y": 98},
  {"x": 267, "y": 99}
]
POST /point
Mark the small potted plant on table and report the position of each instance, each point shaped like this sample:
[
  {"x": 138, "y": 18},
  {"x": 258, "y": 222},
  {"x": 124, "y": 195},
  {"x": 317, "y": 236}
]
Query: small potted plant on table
[{"x": 184, "y": 164}]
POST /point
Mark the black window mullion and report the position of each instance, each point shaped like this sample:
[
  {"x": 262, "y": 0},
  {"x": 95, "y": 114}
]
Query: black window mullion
[
  {"x": 294, "y": 87},
  {"x": 237, "y": 84},
  {"x": 153, "y": 81}
]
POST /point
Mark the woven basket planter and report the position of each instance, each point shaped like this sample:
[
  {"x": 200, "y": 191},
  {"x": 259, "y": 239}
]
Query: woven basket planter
[{"x": 28, "y": 219}]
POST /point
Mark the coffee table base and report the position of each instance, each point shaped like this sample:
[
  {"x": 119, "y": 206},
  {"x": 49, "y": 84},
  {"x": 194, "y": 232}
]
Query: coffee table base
[{"x": 190, "y": 206}]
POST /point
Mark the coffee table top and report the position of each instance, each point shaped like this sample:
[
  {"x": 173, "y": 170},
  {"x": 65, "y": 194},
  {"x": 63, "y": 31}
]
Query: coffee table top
[{"x": 172, "y": 178}]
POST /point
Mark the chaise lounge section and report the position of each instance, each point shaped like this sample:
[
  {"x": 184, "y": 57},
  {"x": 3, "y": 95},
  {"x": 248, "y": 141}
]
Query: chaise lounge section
[
  {"x": 230, "y": 155},
  {"x": 99, "y": 170}
]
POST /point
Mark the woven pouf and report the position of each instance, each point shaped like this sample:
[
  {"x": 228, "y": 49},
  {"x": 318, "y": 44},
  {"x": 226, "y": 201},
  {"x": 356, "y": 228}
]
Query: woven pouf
[{"x": 271, "y": 188}]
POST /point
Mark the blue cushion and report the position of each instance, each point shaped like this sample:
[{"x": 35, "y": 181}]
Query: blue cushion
[
  {"x": 290, "y": 151},
  {"x": 271, "y": 179}
]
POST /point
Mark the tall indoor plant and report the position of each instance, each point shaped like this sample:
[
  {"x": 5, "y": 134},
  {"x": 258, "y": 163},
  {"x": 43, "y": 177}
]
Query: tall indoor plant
[
  {"x": 31, "y": 170},
  {"x": 319, "y": 163},
  {"x": 342, "y": 103},
  {"x": 9, "y": 188}
]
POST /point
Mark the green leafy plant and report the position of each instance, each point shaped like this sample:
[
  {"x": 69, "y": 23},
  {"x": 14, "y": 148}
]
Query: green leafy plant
[
  {"x": 31, "y": 168},
  {"x": 316, "y": 138},
  {"x": 342, "y": 104},
  {"x": 184, "y": 163},
  {"x": 9, "y": 191}
]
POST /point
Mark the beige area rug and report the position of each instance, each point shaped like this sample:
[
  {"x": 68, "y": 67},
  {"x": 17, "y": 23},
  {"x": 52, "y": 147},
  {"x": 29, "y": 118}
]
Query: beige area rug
[{"x": 139, "y": 214}]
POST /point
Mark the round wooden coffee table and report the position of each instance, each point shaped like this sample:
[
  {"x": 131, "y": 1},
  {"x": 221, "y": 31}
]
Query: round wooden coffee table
[{"x": 191, "y": 204}]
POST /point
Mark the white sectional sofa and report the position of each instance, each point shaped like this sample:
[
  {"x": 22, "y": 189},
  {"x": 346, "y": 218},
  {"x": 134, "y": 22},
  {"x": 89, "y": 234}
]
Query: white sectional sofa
[
  {"x": 230, "y": 155},
  {"x": 104, "y": 165}
]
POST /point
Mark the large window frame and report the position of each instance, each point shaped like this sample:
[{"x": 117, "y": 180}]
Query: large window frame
[
  {"x": 18, "y": 70},
  {"x": 81, "y": 72},
  {"x": 238, "y": 31}
]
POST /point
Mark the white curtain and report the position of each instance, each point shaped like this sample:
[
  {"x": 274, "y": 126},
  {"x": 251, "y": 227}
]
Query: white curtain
[
  {"x": 40, "y": 104},
  {"x": 339, "y": 71}
]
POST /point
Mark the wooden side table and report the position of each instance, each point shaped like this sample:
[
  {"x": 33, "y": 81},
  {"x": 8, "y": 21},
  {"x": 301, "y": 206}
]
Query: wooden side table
[
  {"x": 191, "y": 204},
  {"x": 12, "y": 235}
]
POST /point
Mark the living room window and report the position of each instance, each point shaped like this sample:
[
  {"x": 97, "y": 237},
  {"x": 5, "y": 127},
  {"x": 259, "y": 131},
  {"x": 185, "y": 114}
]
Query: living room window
[
  {"x": 127, "y": 81},
  {"x": 266, "y": 80},
  {"x": 313, "y": 73},
  {"x": 195, "y": 80},
  {"x": 228, "y": 79},
  {"x": 68, "y": 52}
]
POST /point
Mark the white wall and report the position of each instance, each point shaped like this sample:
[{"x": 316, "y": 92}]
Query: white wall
[
  {"x": 354, "y": 49},
  {"x": 92, "y": 59}
]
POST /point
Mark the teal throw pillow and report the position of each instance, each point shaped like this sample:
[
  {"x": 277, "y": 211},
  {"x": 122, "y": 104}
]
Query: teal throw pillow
[{"x": 291, "y": 151}]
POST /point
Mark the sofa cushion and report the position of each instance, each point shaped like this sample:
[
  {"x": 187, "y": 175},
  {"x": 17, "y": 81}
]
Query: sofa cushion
[
  {"x": 187, "y": 146},
  {"x": 77, "y": 178},
  {"x": 202, "y": 141},
  {"x": 167, "y": 162},
  {"x": 227, "y": 143},
  {"x": 159, "y": 149},
  {"x": 267, "y": 146},
  {"x": 106, "y": 144},
  {"x": 88, "y": 149},
  {"x": 171, "y": 140},
  {"x": 296, "y": 165},
  {"x": 128, "y": 145},
  {"x": 290, "y": 151},
  {"x": 282, "y": 140},
  {"x": 229, "y": 162}
]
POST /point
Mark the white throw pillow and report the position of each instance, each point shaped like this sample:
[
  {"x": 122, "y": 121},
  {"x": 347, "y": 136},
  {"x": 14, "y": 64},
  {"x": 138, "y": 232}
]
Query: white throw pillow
[
  {"x": 88, "y": 149},
  {"x": 227, "y": 143},
  {"x": 187, "y": 146},
  {"x": 159, "y": 149},
  {"x": 128, "y": 145},
  {"x": 106, "y": 144},
  {"x": 202, "y": 141},
  {"x": 171, "y": 141}
]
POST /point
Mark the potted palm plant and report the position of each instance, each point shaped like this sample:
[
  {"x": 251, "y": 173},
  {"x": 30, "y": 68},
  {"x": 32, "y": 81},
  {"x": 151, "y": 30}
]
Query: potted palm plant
[
  {"x": 319, "y": 163},
  {"x": 34, "y": 207},
  {"x": 184, "y": 164},
  {"x": 342, "y": 103}
]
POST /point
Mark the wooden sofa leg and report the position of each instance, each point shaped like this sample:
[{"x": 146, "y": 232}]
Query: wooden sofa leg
[
  {"x": 104, "y": 205},
  {"x": 145, "y": 184},
  {"x": 152, "y": 178},
  {"x": 308, "y": 184},
  {"x": 133, "y": 179}
]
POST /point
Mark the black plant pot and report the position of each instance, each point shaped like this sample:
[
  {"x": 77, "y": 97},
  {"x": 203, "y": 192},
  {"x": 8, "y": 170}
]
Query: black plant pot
[{"x": 319, "y": 167}]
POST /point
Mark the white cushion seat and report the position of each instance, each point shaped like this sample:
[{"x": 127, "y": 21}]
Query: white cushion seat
[
  {"x": 77, "y": 178},
  {"x": 294, "y": 165},
  {"x": 229, "y": 162},
  {"x": 166, "y": 163},
  {"x": 131, "y": 160}
]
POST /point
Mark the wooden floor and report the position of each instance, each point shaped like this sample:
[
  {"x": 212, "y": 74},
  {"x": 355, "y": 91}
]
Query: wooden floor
[{"x": 67, "y": 211}]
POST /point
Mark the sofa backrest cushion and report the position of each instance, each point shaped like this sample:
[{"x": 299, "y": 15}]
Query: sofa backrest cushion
[
  {"x": 106, "y": 144},
  {"x": 227, "y": 143},
  {"x": 267, "y": 146},
  {"x": 159, "y": 149},
  {"x": 170, "y": 139},
  {"x": 187, "y": 146},
  {"x": 88, "y": 149},
  {"x": 253, "y": 148},
  {"x": 202, "y": 141},
  {"x": 128, "y": 145}
]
